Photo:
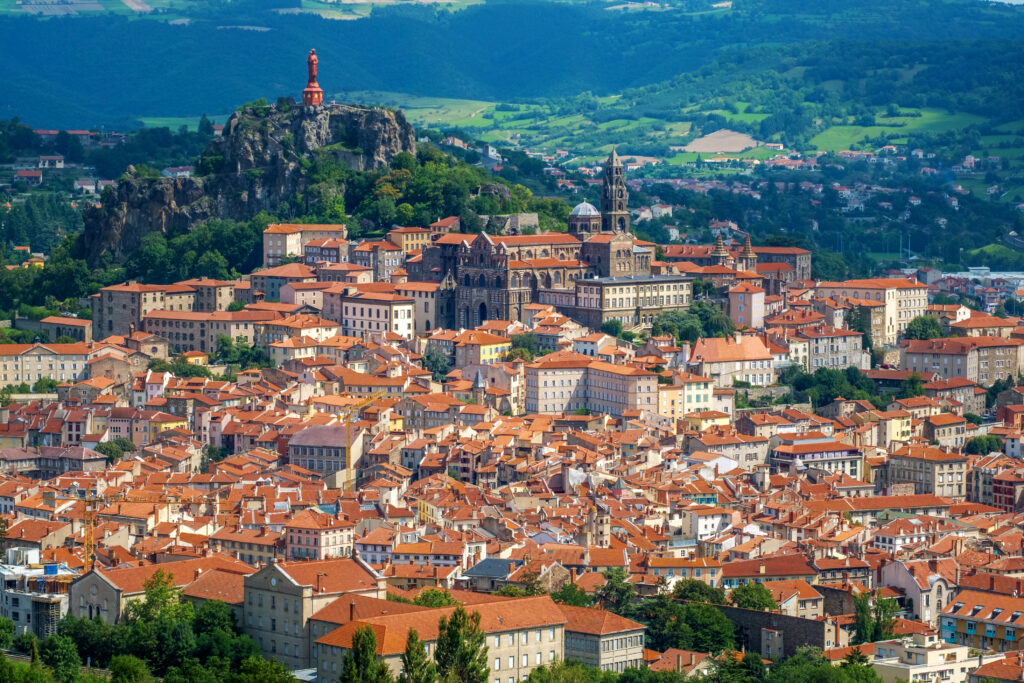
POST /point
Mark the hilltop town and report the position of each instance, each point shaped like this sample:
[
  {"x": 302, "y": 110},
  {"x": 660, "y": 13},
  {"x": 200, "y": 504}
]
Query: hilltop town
[
  {"x": 531, "y": 425},
  {"x": 522, "y": 441}
]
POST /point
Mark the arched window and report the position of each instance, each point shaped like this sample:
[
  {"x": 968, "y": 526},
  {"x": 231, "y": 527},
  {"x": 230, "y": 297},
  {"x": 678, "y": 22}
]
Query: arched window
[
  {"x": 466, "y": 281},
  {"x": 558, "y": 278},
  {"x": 514, "y": 281},
  {"x": 544, "y": 253},
  {"x": 481, "y": 281},
  {"x": 499, "y": 283}
]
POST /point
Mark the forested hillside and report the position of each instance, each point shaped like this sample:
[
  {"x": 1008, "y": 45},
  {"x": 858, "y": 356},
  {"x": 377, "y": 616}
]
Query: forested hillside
[{"x": 502, "y": 51}]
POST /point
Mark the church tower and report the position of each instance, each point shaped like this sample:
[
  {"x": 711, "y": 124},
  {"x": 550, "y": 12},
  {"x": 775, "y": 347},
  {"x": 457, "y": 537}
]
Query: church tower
[
  {"x": 614, "y": 197},
  {"x": 720, "y": 255},
  {"x": 747, "y": 259}
]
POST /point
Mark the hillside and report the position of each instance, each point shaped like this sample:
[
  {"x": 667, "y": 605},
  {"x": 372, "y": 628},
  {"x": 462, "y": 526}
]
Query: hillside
[
  {"x": 260, "y": 164},
  {"x": 93, "y": 75}
]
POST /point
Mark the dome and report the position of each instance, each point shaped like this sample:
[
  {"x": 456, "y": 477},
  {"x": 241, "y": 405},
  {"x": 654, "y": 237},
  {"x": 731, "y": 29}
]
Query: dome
[{"x": 585, "y": 209}]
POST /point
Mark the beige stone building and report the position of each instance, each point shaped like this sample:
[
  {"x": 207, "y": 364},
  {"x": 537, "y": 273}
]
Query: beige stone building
[
  {"x": 211, "y": 295},
  {"x": 120, "y": 309},
  {"x": 281, "y": 597},
  {"x": 522, "y": 634},
  {"x": 563, "y": 381},
  {"x": 424, "y": 296},
  {"x": 188, "y": 331},
  {"x": 904, "y": 300},
  {"x": 978, "y": 359},
  {"x": 602, "y": 640},
  {"x": 929, "y": 469},
  {"x": 730, "y": 359},
  {"x": 361, "y": 313},
  {"x": 288, "y": 239},
  {"x": 105, "y": 593},
  {"x": 62, "y": 362},
  {"x": 409, "y": 239}
]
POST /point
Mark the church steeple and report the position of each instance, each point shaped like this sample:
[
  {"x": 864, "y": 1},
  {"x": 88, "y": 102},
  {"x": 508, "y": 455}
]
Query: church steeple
[
  {"x": 719, "y": 253},
  {"x": 748, "y": 258},
  {"x": 614, "y": 196}
]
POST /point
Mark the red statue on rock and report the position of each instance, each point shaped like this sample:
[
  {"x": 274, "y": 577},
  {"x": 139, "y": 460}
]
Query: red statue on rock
[{"x": 312, "y": 95}]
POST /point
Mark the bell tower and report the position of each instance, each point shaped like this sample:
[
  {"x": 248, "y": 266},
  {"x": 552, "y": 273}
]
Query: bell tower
[
  {"x": 614, "y": 196},
  {"x": 312, "y": 95}
]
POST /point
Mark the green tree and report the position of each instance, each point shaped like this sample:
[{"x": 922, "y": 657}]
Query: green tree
[
  {"x": 911, "y": 387},
  {"x": 417, "y": 667},
  {"x": 259, "y": 670},
  {"x": 856, "y": 657},
  {"x": 59, "y": 653},
  {"x": 617, "y": 594},
  {"x": 528, "y": 341},
  {"x": 983, "y": 445},
  {"x": 923, "y": 327},
  {"x": 435, "y": 597},
  {"x": 573, "y": 595},
  {"x": 109, "y": 449},
  {"x": 437, "y": 362},
  {"x": 461, "y": 650},
  {"x": 612, "y": 327},
  {"x": 873, "y": 620},
  {"x": 362, "y": 665},
  {"x": 129, "y": 669},
  {"x": 6, "y": 633},
  {"x": 205, "y": 127},
  {"x": 712, "y": 631},
  {"x": 753, "y": 596},
  {"x": 692, "y": 590}
]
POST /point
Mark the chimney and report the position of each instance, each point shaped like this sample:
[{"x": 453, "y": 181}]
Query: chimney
[
  {"x": 197, "y": 573},
  {"x": 352, "y": 610},
  {"x": 679, "y": 662}
]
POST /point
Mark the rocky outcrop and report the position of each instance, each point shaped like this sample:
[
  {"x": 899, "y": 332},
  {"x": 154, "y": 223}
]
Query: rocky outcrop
[{"x": 256, "y": 165}]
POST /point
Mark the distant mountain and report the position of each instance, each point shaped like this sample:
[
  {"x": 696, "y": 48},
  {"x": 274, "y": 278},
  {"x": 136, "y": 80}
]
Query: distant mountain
[{"x": 111, "y": 69}]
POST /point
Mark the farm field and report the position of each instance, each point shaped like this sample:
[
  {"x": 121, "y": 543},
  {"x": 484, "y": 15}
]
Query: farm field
[{"x": 842, "y": 137}]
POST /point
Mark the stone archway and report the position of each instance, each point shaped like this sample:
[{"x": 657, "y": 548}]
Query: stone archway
[{"x": 483, "y": 312}]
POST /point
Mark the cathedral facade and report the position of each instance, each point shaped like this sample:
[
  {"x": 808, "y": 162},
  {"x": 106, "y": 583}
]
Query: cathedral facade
[{"x": 487, "y": 277}]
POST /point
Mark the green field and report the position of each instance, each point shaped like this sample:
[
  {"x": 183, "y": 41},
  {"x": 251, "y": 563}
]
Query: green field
[{"x": 838, "y": 138}]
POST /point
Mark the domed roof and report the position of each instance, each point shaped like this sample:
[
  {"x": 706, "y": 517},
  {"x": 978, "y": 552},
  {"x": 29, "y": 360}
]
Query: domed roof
[{"x": 585, "y": 209}]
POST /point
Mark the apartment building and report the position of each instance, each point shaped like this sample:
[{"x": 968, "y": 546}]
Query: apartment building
[
  {"x": 813, "y": 449},
  {"x": 62, "y": 362},
  {"x": 281, "y": 240},
  {"x": 672, "y": 569},
  {"x": 361, "y": 313},
  {"x": 688, "y": 393},
  {"x": 731, "y": 359},
  {"x": 426, "y": 315},
  {"x": 521, "y": 634},
  {"x": 984, "y": 621},
  {"x": 119, "y": 309},
  {"x": 325, "y": 449},
  {"x": 796, "y": 258},
  {"x": 480, "y": 348},
  {"x": 255, "y": 547},
  {"x": 602, "y": 640},
  {"x": 563, "y": 382},
  {"x": 929, "y": 469},
  {"x": 633, "y": 300},
  {"x": 269, "y": 281},
  {"x": 797, "y": 598},
  {"x": 210, "y": 294},
  {"x": 327, "y": 250},
  {"x": 746, "y": 305},
  {"x": 409, "y": 239},
  {"x": 904, "y": 300},
  {"x": 977, "y": 359},
  {"x": 381, "y": 256},
  {"x": 834, "y": 348},
  {"x": 188, "y": 331},
  {"x": 281, "y": 597},
  {"x": 315, "y": 535},
  {"x": 924, "y": 657},
  {"x": 946, "y": 430}
]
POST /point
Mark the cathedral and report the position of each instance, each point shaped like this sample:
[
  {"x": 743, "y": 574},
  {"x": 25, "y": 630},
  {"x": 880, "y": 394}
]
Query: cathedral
[{"x": 485, "y": 277}]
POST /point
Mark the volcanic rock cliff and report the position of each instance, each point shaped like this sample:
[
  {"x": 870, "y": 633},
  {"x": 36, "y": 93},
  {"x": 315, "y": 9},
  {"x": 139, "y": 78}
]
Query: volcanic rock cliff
[{"x": 256, "y": 165}]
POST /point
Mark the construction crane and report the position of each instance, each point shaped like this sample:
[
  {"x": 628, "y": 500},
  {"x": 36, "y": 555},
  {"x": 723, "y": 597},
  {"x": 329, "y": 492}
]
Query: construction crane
[{"x": 349, "y": 414}]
